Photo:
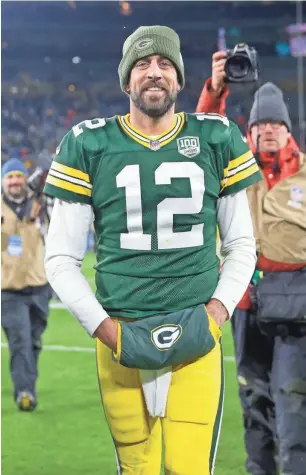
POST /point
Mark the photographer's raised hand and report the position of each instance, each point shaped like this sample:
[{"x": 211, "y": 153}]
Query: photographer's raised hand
[{"x": 218, "y": 72}]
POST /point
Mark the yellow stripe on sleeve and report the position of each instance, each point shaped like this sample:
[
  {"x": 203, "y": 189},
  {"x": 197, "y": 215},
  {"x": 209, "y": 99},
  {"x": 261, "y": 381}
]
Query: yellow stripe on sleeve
[
  {"x": 239, "y": 160},
  {"x": 241, "y": 175},
  {"x": 70, "y": 171},
  {"x": 65, "y": 185},
  {"x": 223, "y": 181}
]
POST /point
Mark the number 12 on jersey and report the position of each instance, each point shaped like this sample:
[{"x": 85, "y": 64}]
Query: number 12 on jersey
[{"x": 129, "y": 178}]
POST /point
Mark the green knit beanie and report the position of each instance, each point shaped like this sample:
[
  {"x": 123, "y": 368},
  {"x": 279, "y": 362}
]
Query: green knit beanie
[{"x": 147, "y": 41}]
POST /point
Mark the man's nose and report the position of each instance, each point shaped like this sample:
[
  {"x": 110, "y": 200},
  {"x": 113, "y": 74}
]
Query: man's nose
[
  {"x": 154, "y": 71},
  {"x": 268, "y": 127}
]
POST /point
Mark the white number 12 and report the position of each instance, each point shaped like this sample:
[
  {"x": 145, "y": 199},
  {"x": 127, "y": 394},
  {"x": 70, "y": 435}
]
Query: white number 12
[{"x": 129, "y": 178}]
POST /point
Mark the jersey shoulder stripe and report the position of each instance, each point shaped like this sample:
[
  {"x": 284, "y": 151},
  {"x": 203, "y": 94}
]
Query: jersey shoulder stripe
[
  {"x": 242, "y": 175},
  {"x": 68, "y": 186},
  {"x": 239, "y": 169},
  {"x": 236, "y": 162},
  {"x": 70, "y": 172},
  {"x": 70, "y": 179}
]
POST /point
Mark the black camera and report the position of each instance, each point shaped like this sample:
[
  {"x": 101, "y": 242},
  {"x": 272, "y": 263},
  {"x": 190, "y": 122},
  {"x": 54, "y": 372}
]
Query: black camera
[
  {"x": 36, "y": 181},
  {"x": 241, "y": 64}
]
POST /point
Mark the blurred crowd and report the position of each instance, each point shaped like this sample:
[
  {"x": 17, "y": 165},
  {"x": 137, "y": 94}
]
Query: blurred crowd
[
  {"x": 34, "y": 122},
  {"x": 32, "y": 127},
  {"x": 50, "y": 85}
]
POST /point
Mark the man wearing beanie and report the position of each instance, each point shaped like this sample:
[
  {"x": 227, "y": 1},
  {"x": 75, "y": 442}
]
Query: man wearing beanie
[
  {"x": 269, "y": 324},
  {"x": 158, "y": 183},
  {"x": 24, "y": 289}
]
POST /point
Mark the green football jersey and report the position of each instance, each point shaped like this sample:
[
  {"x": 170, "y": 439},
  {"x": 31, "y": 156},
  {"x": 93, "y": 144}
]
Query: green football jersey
[{"x": 154, "y": 202}]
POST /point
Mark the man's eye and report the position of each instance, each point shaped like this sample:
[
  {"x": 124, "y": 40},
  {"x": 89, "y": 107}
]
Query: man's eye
[{"x": 141, "y": 64}]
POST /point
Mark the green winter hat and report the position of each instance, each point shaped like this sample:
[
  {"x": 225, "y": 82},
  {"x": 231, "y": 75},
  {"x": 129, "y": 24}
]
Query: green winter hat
[{"x": 147, "y": 41}]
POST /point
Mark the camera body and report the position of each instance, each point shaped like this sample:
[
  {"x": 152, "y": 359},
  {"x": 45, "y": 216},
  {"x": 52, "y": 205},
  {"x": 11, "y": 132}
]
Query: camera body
[
  {"x": 38, "y": 200},
  {"x": 242, "y": 64},
  {"x": 36, "y": 181}
]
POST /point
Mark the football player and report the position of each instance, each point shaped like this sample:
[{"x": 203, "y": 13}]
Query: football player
[{"x": 157, "y": 184}]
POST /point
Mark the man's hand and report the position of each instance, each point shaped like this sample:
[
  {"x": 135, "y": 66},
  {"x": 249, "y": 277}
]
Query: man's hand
[
  {"x": 107, "y": 333},
  {"x": 217, "y": 311},
  {"x": 218, "y": 72}
]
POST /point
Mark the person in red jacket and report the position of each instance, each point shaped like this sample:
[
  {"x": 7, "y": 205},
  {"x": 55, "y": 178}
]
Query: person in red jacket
[{"x": 271, "y": 359}]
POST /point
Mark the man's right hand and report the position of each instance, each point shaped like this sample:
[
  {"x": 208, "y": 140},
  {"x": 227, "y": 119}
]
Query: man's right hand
[
  {"x": 107, "y": 333},
  {"x": 218, "y": 72}
]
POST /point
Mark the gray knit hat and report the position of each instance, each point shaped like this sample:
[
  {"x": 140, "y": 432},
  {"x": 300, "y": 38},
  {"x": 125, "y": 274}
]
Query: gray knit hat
[
  {"x": 147, "y": 41},
  {"x": 269, "y": 105}
]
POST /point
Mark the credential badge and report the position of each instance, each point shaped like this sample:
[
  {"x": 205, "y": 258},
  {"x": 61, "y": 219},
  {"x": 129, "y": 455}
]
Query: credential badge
[
  {"x": 296, "y": 197},
  {"x": 188, "y": 146}
]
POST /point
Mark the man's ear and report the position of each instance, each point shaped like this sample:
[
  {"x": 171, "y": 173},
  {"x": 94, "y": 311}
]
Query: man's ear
[
  {"x": 128, "y": 89},
  {"x": 179, "y": 87}
]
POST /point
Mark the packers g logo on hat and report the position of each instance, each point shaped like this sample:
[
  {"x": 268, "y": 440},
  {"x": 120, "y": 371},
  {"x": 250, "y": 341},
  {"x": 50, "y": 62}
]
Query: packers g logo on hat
[
  {"x": 165, "y": 336},
  {"x": 144, "y": 43}
]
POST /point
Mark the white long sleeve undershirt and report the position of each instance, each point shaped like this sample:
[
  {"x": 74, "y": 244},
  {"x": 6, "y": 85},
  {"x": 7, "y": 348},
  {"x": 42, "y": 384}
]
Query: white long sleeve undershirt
[
  {"x": 66, "y": 246},
  {"x": 238, "y": 249}
]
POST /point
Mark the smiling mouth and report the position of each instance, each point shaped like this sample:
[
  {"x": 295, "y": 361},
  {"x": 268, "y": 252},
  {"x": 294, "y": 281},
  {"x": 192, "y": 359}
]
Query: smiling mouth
[
  {"x": 154, "y": 89},
  {"x": 15, "y": 187}
]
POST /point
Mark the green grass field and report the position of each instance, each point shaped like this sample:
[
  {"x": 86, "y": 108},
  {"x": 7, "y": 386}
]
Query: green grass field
[{"x": 67, "y": 434}]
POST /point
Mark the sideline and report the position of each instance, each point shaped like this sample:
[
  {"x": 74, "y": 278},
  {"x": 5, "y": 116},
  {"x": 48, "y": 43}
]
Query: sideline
[{"x": 83, "y": 349}]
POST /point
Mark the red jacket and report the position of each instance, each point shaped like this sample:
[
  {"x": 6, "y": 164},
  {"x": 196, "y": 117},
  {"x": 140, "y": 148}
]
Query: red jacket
[{"x": 275, "y": 167}]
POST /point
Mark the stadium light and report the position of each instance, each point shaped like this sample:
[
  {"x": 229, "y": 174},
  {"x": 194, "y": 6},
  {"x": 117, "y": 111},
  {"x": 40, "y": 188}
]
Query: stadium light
[{"x": 125, "y": 8}]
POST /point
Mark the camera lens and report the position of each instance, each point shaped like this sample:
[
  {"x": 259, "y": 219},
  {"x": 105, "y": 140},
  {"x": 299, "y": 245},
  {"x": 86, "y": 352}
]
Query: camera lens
[{"x": 238, "y": 67}]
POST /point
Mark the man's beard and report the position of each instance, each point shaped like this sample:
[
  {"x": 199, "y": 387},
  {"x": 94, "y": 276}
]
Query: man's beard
[
  {"x": 155, "y": 110},
  {"x": 18, "y": 197}
]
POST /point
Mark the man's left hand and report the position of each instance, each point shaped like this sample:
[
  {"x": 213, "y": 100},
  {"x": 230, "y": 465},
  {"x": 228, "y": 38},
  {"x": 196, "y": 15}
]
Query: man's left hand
[{"x": 217, "y": 311}]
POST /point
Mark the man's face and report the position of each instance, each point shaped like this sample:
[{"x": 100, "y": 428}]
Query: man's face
[
  {"x": 14, "y": 184},
  {"x": 153, "y": 85},
  {"x": 272, "y": 136}
]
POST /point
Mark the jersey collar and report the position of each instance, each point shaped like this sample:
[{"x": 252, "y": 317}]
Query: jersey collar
[{"x": 147, "y": 141}]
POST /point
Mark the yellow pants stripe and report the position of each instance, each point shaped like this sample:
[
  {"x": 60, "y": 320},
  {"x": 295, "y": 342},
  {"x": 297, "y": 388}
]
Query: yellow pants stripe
[
  {"x": 218, "y": 421},
  {"x": 98, "y": 365},
  {"x": 190, "y": 429}
]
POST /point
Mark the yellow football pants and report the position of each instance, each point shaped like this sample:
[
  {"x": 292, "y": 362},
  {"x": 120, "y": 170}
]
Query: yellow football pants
[{"x": 188, "y": 434}]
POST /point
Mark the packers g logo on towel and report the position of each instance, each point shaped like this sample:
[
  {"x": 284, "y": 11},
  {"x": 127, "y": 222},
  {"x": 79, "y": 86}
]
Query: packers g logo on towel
[{"x": 165, "y": 336}]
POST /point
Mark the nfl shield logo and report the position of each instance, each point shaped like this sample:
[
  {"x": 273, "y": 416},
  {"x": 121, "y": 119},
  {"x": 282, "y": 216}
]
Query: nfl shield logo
[
  {"x": 188, "y": 146},
  {"x": 154, "y": 145}
]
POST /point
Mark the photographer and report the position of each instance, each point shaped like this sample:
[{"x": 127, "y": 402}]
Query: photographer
[
  {"x": 25, "y": 291},
  {"x": 269, "y": 326}
]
